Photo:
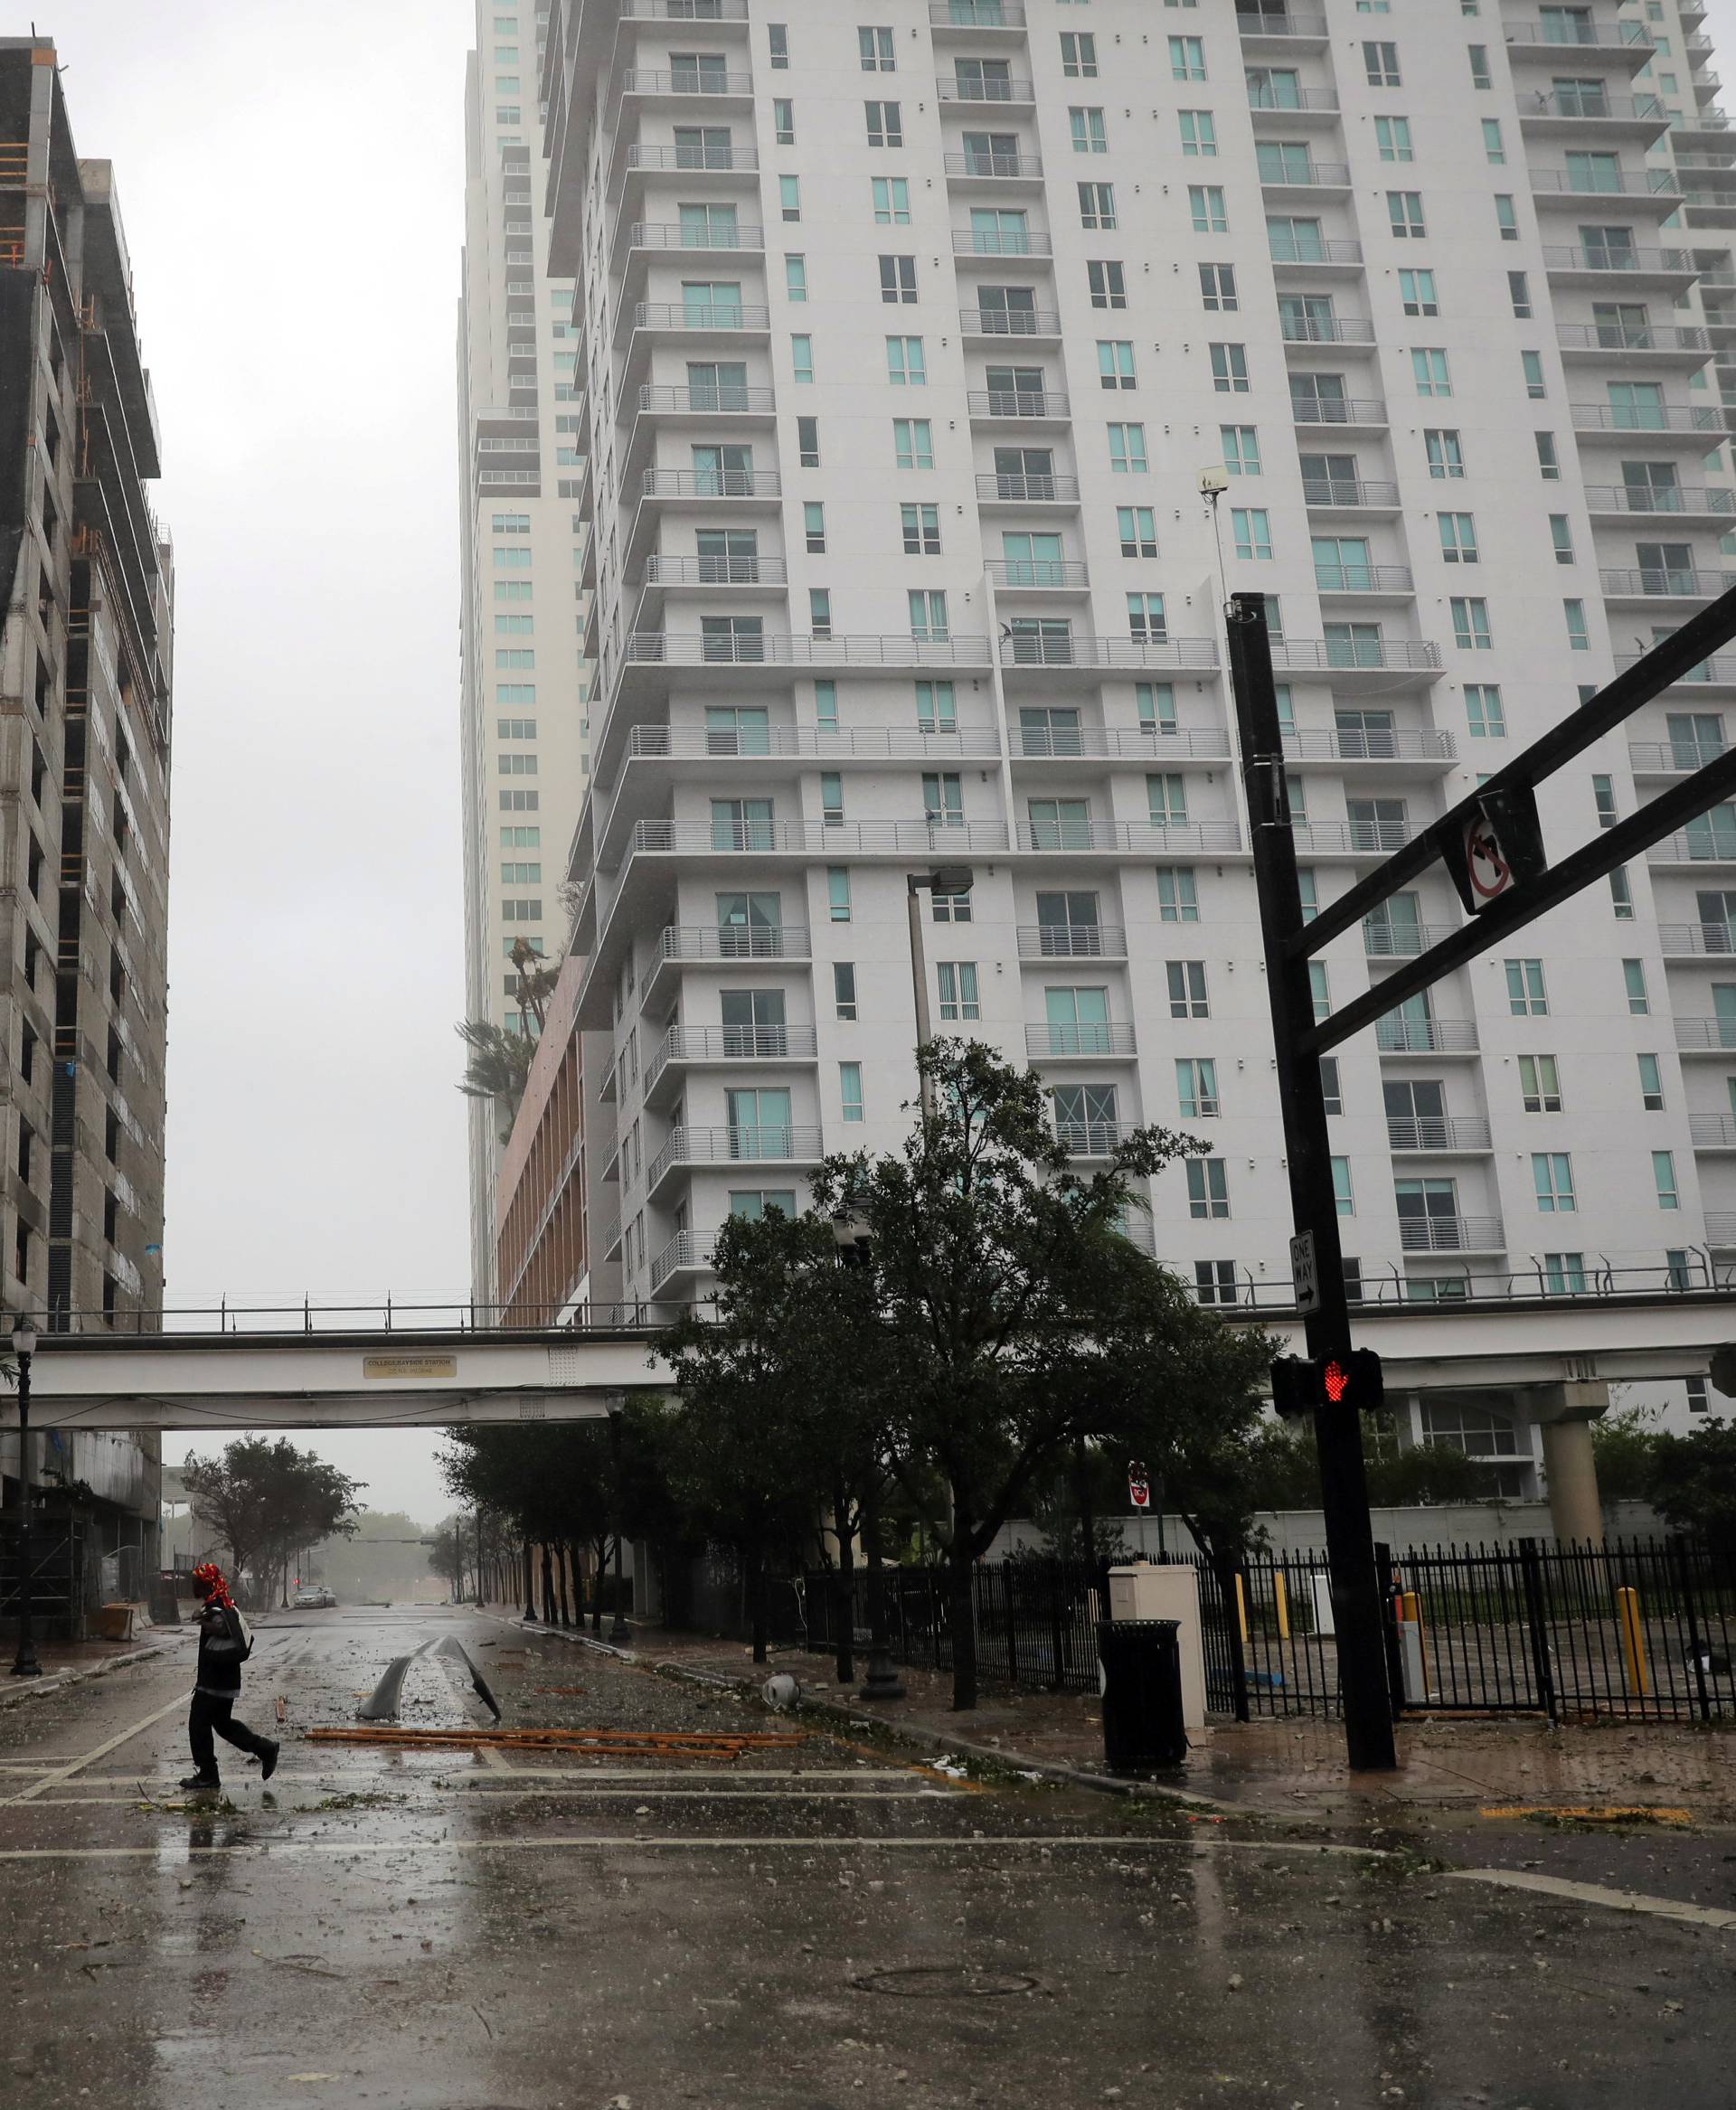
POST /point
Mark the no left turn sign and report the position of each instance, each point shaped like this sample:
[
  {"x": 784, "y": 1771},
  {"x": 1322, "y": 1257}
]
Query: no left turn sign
[{"x": 1486, "y": 867}]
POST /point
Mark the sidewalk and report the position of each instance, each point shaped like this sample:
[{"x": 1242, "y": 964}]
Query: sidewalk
[
  {"x": 1289, "y": 1768},
  {"x": 71, "y": 1663}
]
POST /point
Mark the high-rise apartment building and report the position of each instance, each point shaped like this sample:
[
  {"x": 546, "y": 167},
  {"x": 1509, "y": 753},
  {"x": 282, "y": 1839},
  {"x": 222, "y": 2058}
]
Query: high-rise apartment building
[
  {"x": 906, "y": 333},
  {"x": 85, "y": 660},
  {"x": 523, "y": 726}
]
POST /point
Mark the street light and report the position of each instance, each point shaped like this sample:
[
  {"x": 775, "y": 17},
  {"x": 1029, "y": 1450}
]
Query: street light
[
  {"x": 945, "y": 879},
  {"x": 24, "y": 1346},
  {"x": 855, "y": 1250},
  {"x": 620, "y": 1633}
]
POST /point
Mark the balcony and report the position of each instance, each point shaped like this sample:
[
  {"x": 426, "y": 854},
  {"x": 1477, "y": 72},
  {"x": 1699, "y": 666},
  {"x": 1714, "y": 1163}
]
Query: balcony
[
  {"x": 970, "y": 90},
  {"x": 1699, "y": 845},
  {"x": 695, "y": 648},
  {"x": 977, "y": 13},
  {"x": 689, "y": 1147},
  {"x": 1671, "y": 420},
  {"x": 674, "y": 234},
  {"x": 1721, "y": 1228},
  {"x": 682, "y": 11},
  {"x": 1007, "y": 167},
  {"x": 1068, "y": 838},
  {"x": 1682, "y": 501},
  {"x": 1428, "y": 746},
  {"x": 1256, "y": 23},
  {"x": 1705, "y": 1036},
  {"x": 1712, "y": 1131},
  {"x": 1426, "y": 1036},
  {"x": 1319, "y": 256},
  {"x": 1402, "y": 941},
  {"x": 701, "y": 944},
  {"x": 1296, "y": 102},
  {"x": 1334, "y": 494},
  {"x": 723, "y": 484},
  {"x": 1697, "y": 941},
  {"x": 1349, "y": 838},
  {"x": 1072, "y": 941},
  {"x": 1085, "y": 1043},
  {"x": 1351, "y": 329},
  {"x": 684, "y": 1048},
  {"x": 1367, "y": 580},
  {"x": 994, "y": 489},
  {"x": 1438, "y": 1131},
  {"x": 1564, "y": 186},
  {"x": 1038, "y": 575},
  {"x": 1339, "y": 412},
  {"x": 1402, "y": 655},
  {"x": 1089, "y": 654},
  {"x": 1711, "y": 674},
  {"x": 877, "y": 743},
  {"x": 1666, "y": 583},
  {"x": 1009, "y": 322},
  {"x": 702, "y": 318},
  {"x": 1038, "y": 404},
  {"x": 657, "y": 400},
  {"x": 727, "y": 159},
  {"x": 687, "y": 1253},
  {"x": 776, "y": 838},
  {"x": 1656, "y": 341},
  {"x": 1001, "y": 242},
  {"x": 1451, "y": 1234},
  {"x": 1149, "y": 745},
  {"x": 1642, "y": 116},
  {"x": 1564, "y": 32},
  {"x": 1669, "y": 266},
  {"x": 660, "y": 571},
  {"x": 703, "y": 84},
  {"x": 1312, "y": 175},
  {"x": 1092, "y": 1138}
]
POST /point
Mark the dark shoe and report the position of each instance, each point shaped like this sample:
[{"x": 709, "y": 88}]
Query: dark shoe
[
  {"x": 269, "y": 1760},
  {"x": 206, "y": 1782}
]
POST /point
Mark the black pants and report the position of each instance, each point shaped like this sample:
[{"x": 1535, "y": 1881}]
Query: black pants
[{"x": 209, "y": 1716}]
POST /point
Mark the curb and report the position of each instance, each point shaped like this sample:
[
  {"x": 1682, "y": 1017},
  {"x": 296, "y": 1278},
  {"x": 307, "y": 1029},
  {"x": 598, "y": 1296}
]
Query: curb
[
  {"x": 63, "y": 1680},
  {"x": 913, "y": 1732}
]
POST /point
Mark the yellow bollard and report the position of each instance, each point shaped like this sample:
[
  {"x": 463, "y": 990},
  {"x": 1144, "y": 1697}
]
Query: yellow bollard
[
  {"x": 1633, "y": 1639},
  {"x": 1241, "y": 1610},
  {"x": 1410, "y": 1609},
  {"x": 1282, "y": 1597}
]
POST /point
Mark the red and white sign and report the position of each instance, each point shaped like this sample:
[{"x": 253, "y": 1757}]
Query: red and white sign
[
  {"x": 1487, "y": 868},
  {"x": 1138, "y": 1486}
]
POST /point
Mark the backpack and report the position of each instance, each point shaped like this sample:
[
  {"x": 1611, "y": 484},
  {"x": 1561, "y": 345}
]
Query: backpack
[{"x": 246, "y": 1632}]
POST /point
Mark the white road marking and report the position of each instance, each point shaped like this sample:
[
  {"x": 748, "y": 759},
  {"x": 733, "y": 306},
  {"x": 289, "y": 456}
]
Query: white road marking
[
  {"x": 73, "y": 1765},
  {"x": 520, "y": 1795},
  {"x": 493, "y": 1759},
  {"x": 677, "y": 1773},
  {"x": 1600, "y": 1894}
]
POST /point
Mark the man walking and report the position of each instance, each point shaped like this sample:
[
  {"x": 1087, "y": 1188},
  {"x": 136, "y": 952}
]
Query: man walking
[{"x": 223, "y": 1647}]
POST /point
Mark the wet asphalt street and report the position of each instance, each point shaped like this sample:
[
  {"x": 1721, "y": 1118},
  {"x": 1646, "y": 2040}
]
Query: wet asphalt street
[{"x": 801, "y": 1929}]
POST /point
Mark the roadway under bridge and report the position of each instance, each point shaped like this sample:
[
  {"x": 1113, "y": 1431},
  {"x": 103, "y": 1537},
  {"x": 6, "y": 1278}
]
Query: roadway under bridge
[{"x": 296, "y": 1370}]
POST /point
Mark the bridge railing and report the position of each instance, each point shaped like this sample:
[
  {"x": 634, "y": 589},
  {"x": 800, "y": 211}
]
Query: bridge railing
[{"x": 388, "y": 1314}]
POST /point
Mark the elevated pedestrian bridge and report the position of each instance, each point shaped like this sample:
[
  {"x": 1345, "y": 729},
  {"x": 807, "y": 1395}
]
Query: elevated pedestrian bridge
[{"x": 383, "y": 1367}]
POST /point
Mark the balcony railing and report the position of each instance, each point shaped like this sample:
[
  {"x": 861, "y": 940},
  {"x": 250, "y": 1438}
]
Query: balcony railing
[
  {"x": 640, "y": 80},
  {"x": 660, "y": 571},
  {"x": 994, "y": 165},
  {"x": 983, "y": 88},
  {"x": 694, "y": 648},
  {"x": 675, "y": 234},
  {"x": 1702, "y": 940},
  {"x": 1017, "y": 402},
  {"x": 1350, "y": 329},
  {"x": 1666, "y": 262},
  {"x": 1092, "y": 1138},
  {"x": 775, "y": 838},
  {"x": 1339, "y": 250},
  {"x": 1437, "y": 1132},
  {"x": 1312, "y": 745},
  {"x": 1402, "y": 941},
  {"x": 1659, "y": 498},
  {"x": 1578, "y": 32},
  {"x": 1670, "y": 581},
  {"x": 1129, "y": 837},
  {"x": 1451, "y": 1234},
  {"x": 1695, "y": 846},
  {"x": 1357, "y": 837},
  {"x": 1037, "y": 572},
  {"x": 711, "y": 484},
  {"x": 687, "y": 1253},
  {"x": 1362, "y": 579},
  {"x": 1332, "y": 655},
  {"x": 1339, "y": 411},
  {"x": 1312, "y": 175},
  {"x": 1278, "y": 21},
  {"x": 1592, "y": 103},
  {"x": 726, "y": 158},
  {"x": 1102, "y": 1037},
  {"x": 718, "y": 1146},
  {"x": 821, "y": 743},
  {"x": 1269, "y": 102},
  {"x": 1347, "y": 491},
  {"x": 1645, "y": 183},
  {"x": 1028, "y": 490},
  {"x": 1072, "y": 941},
  {"x": 1631, "y": 337},
  {"x": 1721, "y": 1228},
  {"x": 684, "y": 10},
  {"x": 704, "y": 317},
  {"x": 1712, "y": 1131},
  {"x": 977, "y": 13},
  {"x": 731, "y": 1044},
  {"x": 1147, "y": 744},
  {"x": 1704, "y": 1035},
  {"x": 707, "y": 402},
  {"x": 1001, "y": 242},
  {"x": 1425, "y": 1036},
  {"x": 1046, "y": 651},
  {"x": 733, "y": 941},
  {"x": 1714, "y": 671},
  {"x": 1009, "y": 322},
  {"x": 1646, "y": 418}
]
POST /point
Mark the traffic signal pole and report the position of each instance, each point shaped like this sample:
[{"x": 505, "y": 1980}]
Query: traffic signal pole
[{"x": 1357, "y": 1611}]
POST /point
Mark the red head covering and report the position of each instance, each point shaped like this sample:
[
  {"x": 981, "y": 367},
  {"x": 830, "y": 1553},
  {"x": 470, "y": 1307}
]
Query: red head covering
[{"x": 212, "y": 1576}]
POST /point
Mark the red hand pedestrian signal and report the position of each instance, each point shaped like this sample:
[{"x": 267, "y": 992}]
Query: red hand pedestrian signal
[
  {"x": 1352, "y": 1380},
  {"x": 1335, "y": 1380}
]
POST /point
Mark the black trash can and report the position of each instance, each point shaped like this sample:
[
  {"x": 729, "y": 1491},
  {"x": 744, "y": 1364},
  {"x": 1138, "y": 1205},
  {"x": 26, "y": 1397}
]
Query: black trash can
[{"x": 1139, "y": 1665}]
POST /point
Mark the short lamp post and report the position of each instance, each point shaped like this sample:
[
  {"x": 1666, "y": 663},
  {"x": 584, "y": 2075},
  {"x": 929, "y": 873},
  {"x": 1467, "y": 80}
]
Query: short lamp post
[
  {"x": 945, "y": 879},
  {"x": 23, "y": 1347},
  {"x": 620, "y": 1633}
]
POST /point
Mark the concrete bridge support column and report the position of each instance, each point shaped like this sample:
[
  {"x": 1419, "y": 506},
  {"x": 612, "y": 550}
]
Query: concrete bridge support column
[{"x": 1565, "y": 1413}]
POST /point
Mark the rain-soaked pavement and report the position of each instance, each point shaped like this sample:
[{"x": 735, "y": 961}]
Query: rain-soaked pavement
[{"x": 834, "y": 1925}]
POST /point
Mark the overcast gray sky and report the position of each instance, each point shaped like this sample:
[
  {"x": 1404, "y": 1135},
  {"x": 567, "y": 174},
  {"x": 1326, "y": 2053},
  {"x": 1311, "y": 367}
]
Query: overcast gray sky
[{"x": 290, "y": 175}]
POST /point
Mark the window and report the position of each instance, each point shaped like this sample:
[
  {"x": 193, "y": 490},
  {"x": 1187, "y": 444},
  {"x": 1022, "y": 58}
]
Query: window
[
  {"x": 813, "y": 527},
  {"x": 1137, "y": 529},
  {"x": 1343, "y": 1198},
  {"x": 1471, "y": 623},
  {"x": 843, "y": 989},
  {"x": 1218, "y": 287},
  {"x": 921, "y": 530},
  {"x": 892, "y": 197},
  {"x": 1230, "y": 369},
  {"x": 1445, "y": 453},
  {"x": 521, "y": 875},
  {"x": 751, "y": 1203},
  {"x": 1166, "y": 801},
  {"x": 1186, "y": 980},
  {"x": 1519, "y": 294},
  {"x": 1146, "y": 622},
  {"x": 1319, "y": 988},
  {"x": 1429, "y": 369},
  {"x": 956, "y": 982},
  {"x": 1097, "y": 206},
  {"x": 1178, "y": 902},
  {"x": 1208, "y": 1187},
  {"x": 1115, "y": 363},
  {"x": 1108, "y": 284},
  {"x": 1552, "y": 1174},
  {"x": 789, "y": 196},
  {"x": 1664, "y": 1179},
  {"x": 1381, "y": 64},
  {"x": 819, "y": 611},
  {"x": 1156, "y": 703},
  {"x": 1457, "y": 538},
  {"x": 1205, "y": 204},
  {"x": 875, "y": 46},
  {"x": 1240, "y": 445},
  {"x": 1633, "y": 976},
  {"x": 511, "y": 656},
  {"x": 1699, "y": 1399},
  {"x": 885, "y": 123},
  {"x": 1494, "y": 150},
  {"x": 1525, "y": 994},
  {"x": 801, "y": 359},
  {"x": 519, "y": 802},
  {"x": 515, "y": 728},
  {"x": 1417, "y": 291},
  {"x": 1560, "y": 536},
  {"x": 512, "y": 559},
  {"x": 1531, "y": 366},
  {"x": 1651, "y": 1084},
  {"x": 1540, "y": 1084},
  {"x": 1196, "y": 1088},
  {"x": 826, "y": 704},
  {"x": 1603, "y": 797},
  {"x": 905, "y": 366},
  {"x": 935, "y": 709},
  {"x": 1128, "y": 450},
  {"x": 946, "y": 908},
  {"x": 898, "y": 280},
  {"x": 1564, "y": 1273},
  {"x": 850, "y": 1089},
  {"x": 1187, "y": 57},
  {"x": 795, "y": 278},
  {"x": 1085, "y": 127},
  {"x": 1479, "y": 55},
  {"x": 1392, "y": 138},
  {"x": 1621, "y": 895},
  {"x": 516, "y": 765},
  {"x": 1079, "y": 55},
  {"x": 913, "y": 443},
  {"x": 1548, "y": 467},
  {"x": 783, "y": 122},
  {"x": 1330, "y": 1089},
  {"x": 1214, "y": 1281},
  {"x": 778, "y": 44},
  {"x": 521, "y": 911},
  {"x": 838, "y": 893},
  {"x": 1483, "y": 711},
  {"x": 1578, "y": 639},
  {"x": 928, "y": 615},
  {"x": 1199, "y": 135},
  {"x": 1404, "y": 215},
  {"x": 1252, "y": 528}
]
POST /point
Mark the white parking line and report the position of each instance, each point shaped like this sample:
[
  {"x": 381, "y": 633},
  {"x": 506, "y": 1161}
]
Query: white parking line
[
  {"x": 1600, "y": 1894},
  {"x": 73, "y": 1765}
]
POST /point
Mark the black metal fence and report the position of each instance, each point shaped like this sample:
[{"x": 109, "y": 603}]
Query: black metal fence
[{"x": 1643, "y": 1629}]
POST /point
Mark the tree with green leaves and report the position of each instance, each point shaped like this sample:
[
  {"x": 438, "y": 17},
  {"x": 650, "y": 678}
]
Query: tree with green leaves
[
  {"x": 1693, "y": 1483},
  {"x": 259, "y": 1500}
]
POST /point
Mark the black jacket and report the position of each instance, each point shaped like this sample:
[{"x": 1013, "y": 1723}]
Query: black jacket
[{"x": 221, "y": 1646}]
